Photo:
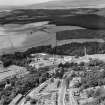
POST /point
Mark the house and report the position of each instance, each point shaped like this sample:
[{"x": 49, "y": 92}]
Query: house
[
  {"x": 76, "y": 81},
  {"x": 67, "y": 58}
]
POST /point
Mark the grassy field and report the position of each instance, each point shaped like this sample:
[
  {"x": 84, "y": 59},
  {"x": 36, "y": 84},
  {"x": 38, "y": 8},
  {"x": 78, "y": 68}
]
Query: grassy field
[
  {"x": 19, "y": 32},
  {"x": 80, "y": 34},
  {"x": 19, "y": 39}
]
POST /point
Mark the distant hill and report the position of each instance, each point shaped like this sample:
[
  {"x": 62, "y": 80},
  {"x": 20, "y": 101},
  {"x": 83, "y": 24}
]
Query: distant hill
[
  {"x": 88, "y": 18},
  {"x": 101, "y": 12},
  {"x": 59, "y": 4},
  {"x": 90, "y": 21}
]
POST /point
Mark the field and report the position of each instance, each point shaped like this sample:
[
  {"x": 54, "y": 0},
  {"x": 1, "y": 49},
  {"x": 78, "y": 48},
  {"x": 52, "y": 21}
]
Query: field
[
  {"x": 13, "y": 38},
  {"x": 19, "y": 29},
  {"x": 80, "y": 34}
]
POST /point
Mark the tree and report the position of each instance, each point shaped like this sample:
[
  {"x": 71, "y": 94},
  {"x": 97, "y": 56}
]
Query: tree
[
  {"x": 33, "y": 101},
  {"x": 60, "y": 65}
]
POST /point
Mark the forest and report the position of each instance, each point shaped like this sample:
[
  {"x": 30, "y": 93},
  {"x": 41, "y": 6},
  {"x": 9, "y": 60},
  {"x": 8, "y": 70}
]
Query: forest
[{"x": 72, "y": 49}]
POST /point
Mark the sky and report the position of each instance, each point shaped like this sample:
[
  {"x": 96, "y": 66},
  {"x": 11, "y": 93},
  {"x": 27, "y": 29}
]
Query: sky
[{"x": 20, "y": 2}]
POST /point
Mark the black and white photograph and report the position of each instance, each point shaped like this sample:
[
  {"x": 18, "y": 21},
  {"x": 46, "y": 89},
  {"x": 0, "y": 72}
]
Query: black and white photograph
[{"x": 52, "y": 52}]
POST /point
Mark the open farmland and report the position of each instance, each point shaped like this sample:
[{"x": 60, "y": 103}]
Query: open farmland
[
  {"x": 80, "y": 34},
  {"x": 19, "y": 29}
]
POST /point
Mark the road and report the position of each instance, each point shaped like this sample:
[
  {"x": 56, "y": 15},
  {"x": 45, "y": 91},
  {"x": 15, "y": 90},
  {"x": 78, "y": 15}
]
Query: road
[
  {"x": 72, "y": 99},
  {"x": 63, "y": 91}
]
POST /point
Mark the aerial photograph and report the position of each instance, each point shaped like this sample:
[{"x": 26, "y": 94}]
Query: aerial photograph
[{"x": 52, "y": 52}]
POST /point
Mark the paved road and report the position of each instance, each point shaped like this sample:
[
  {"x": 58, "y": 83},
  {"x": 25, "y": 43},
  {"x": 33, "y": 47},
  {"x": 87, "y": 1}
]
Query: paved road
[
  {"x": 61, "y": 94},
  {"x": 63, "y": 91},
  {"x": 72, "y": 100}
]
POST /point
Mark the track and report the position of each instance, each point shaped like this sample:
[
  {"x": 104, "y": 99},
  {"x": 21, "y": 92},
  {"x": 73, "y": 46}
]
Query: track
[{"x": 32, "y": 93}]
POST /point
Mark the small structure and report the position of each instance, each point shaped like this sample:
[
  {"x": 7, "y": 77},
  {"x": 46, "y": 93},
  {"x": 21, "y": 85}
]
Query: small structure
[
  {"x": 8, "y": 84},
  {"x": 76, "y": 79},
  {"x": 67, "y": 58},
  {"x": 76, "y": 93}
]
